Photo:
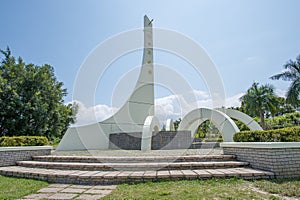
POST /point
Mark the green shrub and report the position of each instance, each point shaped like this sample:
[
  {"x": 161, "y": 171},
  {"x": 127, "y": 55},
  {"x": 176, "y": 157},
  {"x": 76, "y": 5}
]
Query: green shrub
[
  {"x": 290, "y": 134},
  {"x": 287, "y": 120},
  {"x": 212, "y": 140},
  {"x": 23, "y": 141}
]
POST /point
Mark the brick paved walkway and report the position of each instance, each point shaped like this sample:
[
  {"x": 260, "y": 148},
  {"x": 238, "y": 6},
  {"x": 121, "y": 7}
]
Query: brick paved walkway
[{"x": 66, "y": 191}]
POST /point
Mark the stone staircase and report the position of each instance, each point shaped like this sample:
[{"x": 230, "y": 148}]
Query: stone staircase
[{"x": 112, "y": 170}]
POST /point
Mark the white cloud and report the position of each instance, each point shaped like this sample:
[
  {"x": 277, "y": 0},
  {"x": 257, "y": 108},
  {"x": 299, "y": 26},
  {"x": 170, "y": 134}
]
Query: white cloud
[
  {"x": 234, "y": 101},
  {"x": 167, "y": 107},
  {"x": 281, "y": 93},
  {"x": 88, "y": 115},
  {"x": 172, "y": 106}
]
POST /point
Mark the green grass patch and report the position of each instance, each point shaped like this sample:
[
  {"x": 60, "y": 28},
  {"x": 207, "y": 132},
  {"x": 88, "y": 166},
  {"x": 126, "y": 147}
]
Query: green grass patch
[
  {"x": 14, "y": 188},
  {"x": 283, "y": 187},
  {"x": 197, "y": 189},
  {"x": 234, "y": 188}
]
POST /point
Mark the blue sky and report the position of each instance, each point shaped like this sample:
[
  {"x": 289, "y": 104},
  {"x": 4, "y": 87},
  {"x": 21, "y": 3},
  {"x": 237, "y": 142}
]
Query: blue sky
[{"x": 249, "y": 40}]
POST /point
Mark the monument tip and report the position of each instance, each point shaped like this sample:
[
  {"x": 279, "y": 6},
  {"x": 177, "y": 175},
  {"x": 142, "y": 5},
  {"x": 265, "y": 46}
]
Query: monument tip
[
  {"x": 146, "y": 17},
  {"x": 147, "y": 21}
]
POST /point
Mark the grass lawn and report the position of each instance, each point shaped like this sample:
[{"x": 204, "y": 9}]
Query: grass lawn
[
  {"x": 280, "y": 186},
  {"x": 14, "y": 188},
  {"x": 208, "y": 189}
]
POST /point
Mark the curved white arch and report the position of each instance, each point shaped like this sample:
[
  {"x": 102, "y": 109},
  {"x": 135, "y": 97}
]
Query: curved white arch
[
  {"x": 246, "y": 119},
  {"x": 151, "y": 123},
  {"x": 224, "y": 123},
  {"x": 169, "y": 125}
]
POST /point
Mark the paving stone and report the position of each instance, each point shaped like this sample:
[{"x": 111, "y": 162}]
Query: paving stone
[
  {"x": 228, "y": 172},
  {"x": 163, "y": 174},
  {"x": 189, "y": 173},
  {"x": 93, "y": 191},
  {"x": 111, "y": 175},
  {"x": 90, "y": 197},
  {"x": 254, "y": 171},
  {"x": 137, "y": 175},
  {"x": 215, "y": 173},
  {"x": 99, "y": 174},
  {"x": 50, "y": 190},
  {"x": 73, "y": 190},
  {"x": 242, "y": 173},
  {"x": 77, "y": 173},
  {"x": 64, "y": 196},
  {"x": 59, "y": 185},
  {"x": 202, "y": 173},
  {"x": 38, "y": 196},
  {"x": 176, "y": 174},
  {"x": 124, "y": 175},
  {"x": 89, "y": 174},
  {"x": 105, "y": 187},
  {"x": 82, "y": 186},
  {"x": 150, "y": 174}
]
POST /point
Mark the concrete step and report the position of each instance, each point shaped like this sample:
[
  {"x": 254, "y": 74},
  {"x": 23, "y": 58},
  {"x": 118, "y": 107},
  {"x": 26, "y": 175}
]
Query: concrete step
[
  {"x": 127, "y": 159},
  {"x": 114, "y": 177},
  {"x": 131, "y": 166}
]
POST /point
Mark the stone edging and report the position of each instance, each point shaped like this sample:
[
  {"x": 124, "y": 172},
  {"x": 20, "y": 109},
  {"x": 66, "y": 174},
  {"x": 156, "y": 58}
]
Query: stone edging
[
  {"x": 25, "y": 148},
  {"x": 262, "y": 145}
]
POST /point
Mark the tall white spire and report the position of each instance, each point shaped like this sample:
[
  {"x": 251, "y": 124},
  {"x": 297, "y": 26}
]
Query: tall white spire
[{"x": 130, "y": 117}]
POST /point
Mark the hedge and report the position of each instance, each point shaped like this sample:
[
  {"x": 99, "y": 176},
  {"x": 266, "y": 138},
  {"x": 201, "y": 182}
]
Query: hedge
[
  {"x": 23, "y": 141},
  {"x": 290, "y": 134}
]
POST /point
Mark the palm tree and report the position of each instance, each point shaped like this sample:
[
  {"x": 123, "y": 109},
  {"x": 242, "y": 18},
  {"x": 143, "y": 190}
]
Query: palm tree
[
  {"x": 291, "y": 73},
  {"x": 259, "y": 100}
]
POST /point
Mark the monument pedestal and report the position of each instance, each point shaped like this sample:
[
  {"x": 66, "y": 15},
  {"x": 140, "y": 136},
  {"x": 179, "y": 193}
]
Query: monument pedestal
[{"x": 162, "y": 140}]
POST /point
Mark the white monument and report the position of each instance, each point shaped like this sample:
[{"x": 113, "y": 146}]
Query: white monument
[
  {"x": 130, "y": 118},
  {"x": 137, "y": 114}
]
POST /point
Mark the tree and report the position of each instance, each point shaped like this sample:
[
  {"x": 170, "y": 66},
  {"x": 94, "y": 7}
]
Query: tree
[
  {"x": 31, "y": 100},
  {"x": 291, "y": 73},
  {"x": 207, "y": 130},
  {"x": 260, "y": 100},
  {"x": 176, "y": 124},
  {"x": 283, "y": 107}
]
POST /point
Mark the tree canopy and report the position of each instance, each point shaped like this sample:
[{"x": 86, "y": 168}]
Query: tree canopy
[
  {"x": 291, "y": 73},
  {"x": 259, "y": 100},
  {"x": 31, "y": 100}
]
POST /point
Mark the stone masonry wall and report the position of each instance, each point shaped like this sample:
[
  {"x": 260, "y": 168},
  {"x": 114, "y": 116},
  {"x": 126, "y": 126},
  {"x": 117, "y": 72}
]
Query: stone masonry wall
[
  {"x": 284, "y": 162},
  {"x": 160, "y": 140},
  {"x": 126, "y": 141},
  {"x": 10, "y": 156},
  {"x": 171, "y": 140}
]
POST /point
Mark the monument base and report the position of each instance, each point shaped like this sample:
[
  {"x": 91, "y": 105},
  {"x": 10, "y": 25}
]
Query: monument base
[{"x": 162, "y": 140}]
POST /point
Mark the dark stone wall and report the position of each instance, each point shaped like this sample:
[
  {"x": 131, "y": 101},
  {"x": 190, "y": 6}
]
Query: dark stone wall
[
  {"x": 160, "y": 140},
  {"x": 126, "y": 141},
  {"x": 171, "y": 140},
  {"x": 205, "y": 145}
]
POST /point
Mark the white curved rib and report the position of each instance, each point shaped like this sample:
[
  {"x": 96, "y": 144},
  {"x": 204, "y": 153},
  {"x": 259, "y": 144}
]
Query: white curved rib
[
  {"x": 223, "y": 122},
  {"x": 151, "y": 123},
  {"x": 169, "y": 125},
  {"x": 246, "y": 119}
]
